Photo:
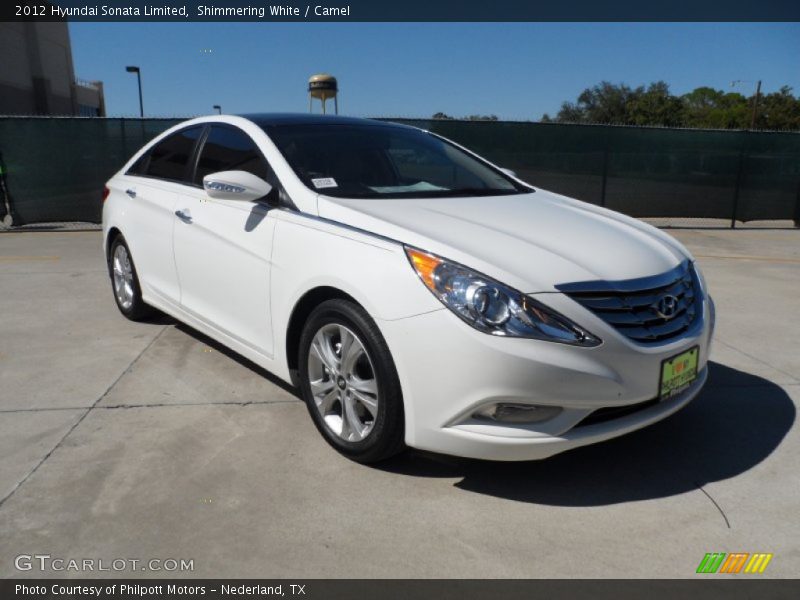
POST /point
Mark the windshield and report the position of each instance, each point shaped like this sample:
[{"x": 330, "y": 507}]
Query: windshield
[{"x": 384, "y": 161}]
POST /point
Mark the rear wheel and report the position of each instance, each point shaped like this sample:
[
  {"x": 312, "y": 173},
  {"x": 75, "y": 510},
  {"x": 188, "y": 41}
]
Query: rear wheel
[
  {"x": 349, "y": 382},
  {"x": 125, "y": 282}
]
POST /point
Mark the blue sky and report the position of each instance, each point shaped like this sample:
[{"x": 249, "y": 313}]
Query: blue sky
[{"x": 514, "y": 70}]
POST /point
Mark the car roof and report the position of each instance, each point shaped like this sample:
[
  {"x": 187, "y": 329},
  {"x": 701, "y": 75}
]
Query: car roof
[{"x": 279, "y": 119}]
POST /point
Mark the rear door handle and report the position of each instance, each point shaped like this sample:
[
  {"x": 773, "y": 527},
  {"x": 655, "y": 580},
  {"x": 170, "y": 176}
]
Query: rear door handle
[
  {"x": 184, "y": 215},
  {"x": 131, "y": 192}
]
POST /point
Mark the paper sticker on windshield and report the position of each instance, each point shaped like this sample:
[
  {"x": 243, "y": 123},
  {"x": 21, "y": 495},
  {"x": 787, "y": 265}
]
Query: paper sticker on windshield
[{"x": 324, "y": 182}]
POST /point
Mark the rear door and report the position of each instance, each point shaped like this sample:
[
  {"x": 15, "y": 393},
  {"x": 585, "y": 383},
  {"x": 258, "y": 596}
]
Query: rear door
[
  {"x": 223, "y": 247},
  {"x": 153, "y": 185}
]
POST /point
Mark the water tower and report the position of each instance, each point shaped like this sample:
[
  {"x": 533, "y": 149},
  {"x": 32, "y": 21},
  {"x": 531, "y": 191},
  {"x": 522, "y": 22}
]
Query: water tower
[{"x": 322, "y": 87}]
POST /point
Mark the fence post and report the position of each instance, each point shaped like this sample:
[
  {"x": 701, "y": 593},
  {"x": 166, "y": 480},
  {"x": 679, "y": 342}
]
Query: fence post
[
  {"x": 124, "y": 136},
  {"x": 736, "y": 190},
  {"x": 738, "y": 185},
  {"x": 605, "y": 176},
  {"x": 8, "y": 217},
  {"x": 605, "y": 167}
]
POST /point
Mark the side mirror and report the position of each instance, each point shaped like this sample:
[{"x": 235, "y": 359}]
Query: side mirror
[
  {"x": 235, "y": 185},
  {"x": 508, "y": 172}
]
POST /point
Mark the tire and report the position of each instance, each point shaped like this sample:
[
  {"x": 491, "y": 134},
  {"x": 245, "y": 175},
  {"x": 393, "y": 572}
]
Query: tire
[
  {"x": 350, "y": 384},
  {"x": 125, "y": 282}
]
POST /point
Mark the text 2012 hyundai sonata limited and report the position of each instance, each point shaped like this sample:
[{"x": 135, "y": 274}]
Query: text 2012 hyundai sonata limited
[{"x": 418, "y": 294}]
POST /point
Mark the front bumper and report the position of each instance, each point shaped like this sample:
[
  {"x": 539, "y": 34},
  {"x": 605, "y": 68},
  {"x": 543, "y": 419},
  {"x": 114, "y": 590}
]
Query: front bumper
[{"x": 449, "y": 370}]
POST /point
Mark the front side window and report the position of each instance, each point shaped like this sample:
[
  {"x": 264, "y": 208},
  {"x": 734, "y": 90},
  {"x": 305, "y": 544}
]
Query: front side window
[
  {"x": 230, "y": 149},
  {"x": 169, "y": 158},
  {"x": 380, "y": 161}
]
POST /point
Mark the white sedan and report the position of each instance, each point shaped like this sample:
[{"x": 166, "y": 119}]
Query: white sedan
[{"x": 416, "y": 293}]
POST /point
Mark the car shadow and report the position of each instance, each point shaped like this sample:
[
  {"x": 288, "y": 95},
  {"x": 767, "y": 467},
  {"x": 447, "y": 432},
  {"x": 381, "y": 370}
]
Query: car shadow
[
  {"x": 257, "y": 214},
  {"x": 248, "y": 364},
  {"x": 736, "y": 422},
  {"x": 160, "y": 318}
]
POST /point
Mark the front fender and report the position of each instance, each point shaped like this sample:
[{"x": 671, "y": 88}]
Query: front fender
[{"x": 309, "y": 253}]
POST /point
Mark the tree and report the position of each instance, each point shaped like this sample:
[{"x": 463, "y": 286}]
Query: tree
[
  {"x": 440, "y": 116},
  {"x": 571, "y": 113},
  {"x": 655, "y": 106},
  {"x": 704, "y": 107},
  {"x": 707, "y": 107},
  {"x": 779, "y": 110},
  {"x": 603, "y": 103}
]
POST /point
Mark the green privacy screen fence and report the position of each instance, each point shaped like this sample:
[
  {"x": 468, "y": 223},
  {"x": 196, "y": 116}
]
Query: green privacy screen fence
[
  {"x": 647, "y": 172},
  {"x": 55, "y": 167}
]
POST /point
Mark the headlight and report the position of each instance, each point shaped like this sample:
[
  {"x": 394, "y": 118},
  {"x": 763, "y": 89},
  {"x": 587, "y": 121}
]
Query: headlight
[{"x": 492, "y": 307}]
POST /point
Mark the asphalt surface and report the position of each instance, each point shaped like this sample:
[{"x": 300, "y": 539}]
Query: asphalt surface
[{"x": 123, "y": 440}]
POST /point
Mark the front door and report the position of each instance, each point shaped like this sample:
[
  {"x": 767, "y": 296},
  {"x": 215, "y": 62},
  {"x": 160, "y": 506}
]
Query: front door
[{"x": 223, "y": 247}]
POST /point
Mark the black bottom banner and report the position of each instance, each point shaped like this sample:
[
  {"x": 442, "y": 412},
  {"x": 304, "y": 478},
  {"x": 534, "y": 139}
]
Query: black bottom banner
[{"x": 390, "y": 589}]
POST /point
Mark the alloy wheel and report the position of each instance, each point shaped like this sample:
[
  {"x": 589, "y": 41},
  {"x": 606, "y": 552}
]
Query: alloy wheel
[{"x": 343, "y": 382}]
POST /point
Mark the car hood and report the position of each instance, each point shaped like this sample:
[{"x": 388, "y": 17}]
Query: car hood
[{"x": 532, "y": 242}]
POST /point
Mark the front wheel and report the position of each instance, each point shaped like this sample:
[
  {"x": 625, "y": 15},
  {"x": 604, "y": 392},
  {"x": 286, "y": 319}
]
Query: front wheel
[{"x": 350, "y": 384}]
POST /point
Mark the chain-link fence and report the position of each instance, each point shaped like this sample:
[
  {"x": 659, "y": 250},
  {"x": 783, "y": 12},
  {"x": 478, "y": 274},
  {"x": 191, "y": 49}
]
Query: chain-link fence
[{"x": 55, "y": 168}]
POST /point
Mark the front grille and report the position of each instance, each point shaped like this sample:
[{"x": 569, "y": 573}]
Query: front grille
[{"x": 632, "y": 306}]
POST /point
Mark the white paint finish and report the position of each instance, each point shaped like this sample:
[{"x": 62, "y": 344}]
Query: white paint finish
[
  {"x": 236, "y": 270},
  {"x": 457, "y": 369},
  {"x": 223, "y": 261},
  {"x": 310, "y": 253},
  {"x": 530, "y": 242},
  {"x": 146, "y": 221}
]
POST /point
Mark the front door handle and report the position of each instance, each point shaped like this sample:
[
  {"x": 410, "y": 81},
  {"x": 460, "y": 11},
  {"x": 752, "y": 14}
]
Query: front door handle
[
  {"x": 131, "y": 192},
  {"x": 184, "y": 215}
]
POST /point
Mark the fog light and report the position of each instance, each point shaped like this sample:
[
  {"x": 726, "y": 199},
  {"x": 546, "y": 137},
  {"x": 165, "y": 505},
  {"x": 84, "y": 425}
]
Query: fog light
[{"x": 517, "y": 413}]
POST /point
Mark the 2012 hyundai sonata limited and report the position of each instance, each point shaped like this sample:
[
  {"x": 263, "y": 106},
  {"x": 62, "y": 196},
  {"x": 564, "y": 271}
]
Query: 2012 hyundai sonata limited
[{"x": 416, "y": 293}]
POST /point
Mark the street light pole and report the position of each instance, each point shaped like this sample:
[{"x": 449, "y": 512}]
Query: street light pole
[
  {"x": 138, "y": 72},
  {"x": 218, "y": 108}
]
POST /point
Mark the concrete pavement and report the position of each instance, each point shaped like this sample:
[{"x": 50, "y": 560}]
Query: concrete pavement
[{"x": 121, "y": 440}]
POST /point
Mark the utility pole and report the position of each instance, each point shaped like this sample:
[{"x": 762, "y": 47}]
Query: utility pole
[{"x": 755, "y": 105}]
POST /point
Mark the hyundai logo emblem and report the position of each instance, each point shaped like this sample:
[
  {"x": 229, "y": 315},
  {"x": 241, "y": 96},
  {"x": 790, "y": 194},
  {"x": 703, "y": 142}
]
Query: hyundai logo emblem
[{"x": 666, "y": 307}]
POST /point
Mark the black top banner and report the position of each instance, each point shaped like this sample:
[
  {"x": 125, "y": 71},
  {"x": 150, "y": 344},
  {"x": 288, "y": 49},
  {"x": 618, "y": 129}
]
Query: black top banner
[{"x": 402, "y": 10}]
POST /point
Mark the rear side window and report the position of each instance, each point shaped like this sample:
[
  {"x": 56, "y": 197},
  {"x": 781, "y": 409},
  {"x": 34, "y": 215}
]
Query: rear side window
[
  {"x": 230, "y": 149},
  {"x": 169, "y": 158}
]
